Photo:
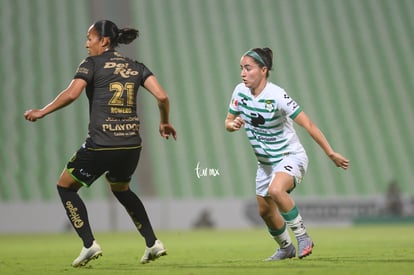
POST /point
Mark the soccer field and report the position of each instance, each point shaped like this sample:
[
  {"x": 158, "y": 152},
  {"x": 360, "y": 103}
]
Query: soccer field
[{"x": 354, "y": 250}]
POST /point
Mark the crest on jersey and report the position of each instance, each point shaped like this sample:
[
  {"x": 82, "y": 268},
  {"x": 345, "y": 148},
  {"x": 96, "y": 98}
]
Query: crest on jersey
[
  {"x": 269, "y": 106},
  {"x": 234, "y": 102}
]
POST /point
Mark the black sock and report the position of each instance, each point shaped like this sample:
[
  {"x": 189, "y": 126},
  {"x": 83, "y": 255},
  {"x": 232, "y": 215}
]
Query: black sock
[
  {"x": 136, "y": 211},
  {"x": 77, "y": 214}
]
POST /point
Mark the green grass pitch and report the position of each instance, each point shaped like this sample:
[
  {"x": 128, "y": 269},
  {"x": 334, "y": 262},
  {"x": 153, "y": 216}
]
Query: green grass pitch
[{"x": 375, "y": 249}]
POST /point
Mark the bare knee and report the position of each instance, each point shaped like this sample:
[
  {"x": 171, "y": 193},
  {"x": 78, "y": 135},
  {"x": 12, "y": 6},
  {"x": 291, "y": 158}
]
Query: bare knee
[
  {"x": 66, "y": 181},
  {"x": 277, "y": 194},
  {"x": 279, "y": 187}
]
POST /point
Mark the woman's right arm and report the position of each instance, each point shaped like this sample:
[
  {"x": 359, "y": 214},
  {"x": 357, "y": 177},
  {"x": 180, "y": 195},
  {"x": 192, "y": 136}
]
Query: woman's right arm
[
  {"x": 233, "y": 123},
  {"x": 67, "y": 96}
]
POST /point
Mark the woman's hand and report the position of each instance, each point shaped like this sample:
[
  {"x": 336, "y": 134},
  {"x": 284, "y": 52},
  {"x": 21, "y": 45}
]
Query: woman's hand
[
  {"x": 33, "y": 115},
  {"x": 167, "y": 130},
  {"x": 339, "y": 160},
  {"x": 234, "y": 123}
]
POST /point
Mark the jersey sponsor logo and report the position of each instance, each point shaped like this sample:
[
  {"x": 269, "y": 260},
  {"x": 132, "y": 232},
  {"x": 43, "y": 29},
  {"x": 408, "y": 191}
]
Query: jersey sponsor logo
[
  {"x": 266, "y": 139},
  {"x": 260, "y": 138},
  {"x": 291, "y": 102},
  {"x": 120, "y": 127},
  {"x": 82, "y": 70},
  {"x": 257, "y": 119},
  {"x": 121, "y": 69}
]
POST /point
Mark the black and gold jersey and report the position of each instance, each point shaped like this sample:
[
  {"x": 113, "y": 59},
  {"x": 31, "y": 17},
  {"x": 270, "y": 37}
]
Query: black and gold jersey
[{"x": 112, "y": 87}]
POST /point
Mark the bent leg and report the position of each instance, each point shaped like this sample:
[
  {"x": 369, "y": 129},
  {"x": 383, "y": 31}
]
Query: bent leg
[
  {"x": 136, "y": 211},
  {"x": 75, "y": 208},
  {"x": 278, "y": 190},
  {"x": 274, "y": 221}
]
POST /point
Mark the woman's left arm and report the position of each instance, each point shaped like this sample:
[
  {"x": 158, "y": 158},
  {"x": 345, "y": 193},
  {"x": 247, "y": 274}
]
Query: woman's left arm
[
  {"x": 153, "y": 86},
  {"x": 303, "y": 120}
]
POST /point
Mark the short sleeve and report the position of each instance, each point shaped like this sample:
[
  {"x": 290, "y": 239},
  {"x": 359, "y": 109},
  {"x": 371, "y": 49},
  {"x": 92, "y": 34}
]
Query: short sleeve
[
  {"x": 145, "y": 72},
  {"x": 289, "y": 105},
  {"x": 85, "y": 70},
  {"x": 234, "y": 103}
]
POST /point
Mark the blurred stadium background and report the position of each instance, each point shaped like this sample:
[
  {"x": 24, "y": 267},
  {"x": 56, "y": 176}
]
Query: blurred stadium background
[{"x": 348, "y": 63}]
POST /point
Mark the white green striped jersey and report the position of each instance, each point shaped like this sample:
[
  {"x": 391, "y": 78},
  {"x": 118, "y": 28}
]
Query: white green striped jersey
[{"x": 268, "y": 121}]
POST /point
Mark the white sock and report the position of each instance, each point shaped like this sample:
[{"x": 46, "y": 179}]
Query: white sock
[
  {"x": 295, "y": 222},
  {"x": 281, "y": 236}
]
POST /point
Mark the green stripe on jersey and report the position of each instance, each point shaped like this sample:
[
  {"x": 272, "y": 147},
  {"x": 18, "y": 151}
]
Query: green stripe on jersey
[{"x": 296, "y": 113}]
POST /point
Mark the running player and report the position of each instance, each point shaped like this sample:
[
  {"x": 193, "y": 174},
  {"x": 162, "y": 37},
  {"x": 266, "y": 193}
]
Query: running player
[
  {"x": 113, "y": 144},
  {"x": 266, "y": 112}
]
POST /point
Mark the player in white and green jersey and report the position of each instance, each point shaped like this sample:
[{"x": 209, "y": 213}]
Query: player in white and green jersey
[
  {"x": 268, "y": 121},
  {"x": 267, "y": 113}
]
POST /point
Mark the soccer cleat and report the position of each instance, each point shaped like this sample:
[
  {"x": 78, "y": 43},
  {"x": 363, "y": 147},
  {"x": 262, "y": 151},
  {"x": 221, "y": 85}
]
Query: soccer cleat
[
  {"x": 283, "y": 253},
  {"x": 154, "y": 252},
  {"x": 305, "y": 245},
  {"x": 87, "y": 254}
]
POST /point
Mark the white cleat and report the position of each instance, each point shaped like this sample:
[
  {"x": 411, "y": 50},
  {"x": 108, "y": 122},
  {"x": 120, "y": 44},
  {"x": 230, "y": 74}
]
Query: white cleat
[
  {"x": 154, "y": 252},
  {"x": 87, "y": 254}
]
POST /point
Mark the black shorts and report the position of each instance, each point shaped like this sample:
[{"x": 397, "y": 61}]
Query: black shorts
[{"x": 87, "y": 164}]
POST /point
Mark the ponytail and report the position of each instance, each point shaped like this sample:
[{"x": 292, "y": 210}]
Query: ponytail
[
  {"x": 127, "y": 35},
  {"x": 106, "y": 28}
]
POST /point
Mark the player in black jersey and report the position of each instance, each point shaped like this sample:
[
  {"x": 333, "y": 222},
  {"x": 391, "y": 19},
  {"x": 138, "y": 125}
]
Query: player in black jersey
[{"x": 113, "y": 144}]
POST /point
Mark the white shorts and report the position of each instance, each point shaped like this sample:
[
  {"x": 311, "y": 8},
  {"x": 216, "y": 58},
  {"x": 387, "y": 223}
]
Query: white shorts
[{"x": 293, "y": 164}]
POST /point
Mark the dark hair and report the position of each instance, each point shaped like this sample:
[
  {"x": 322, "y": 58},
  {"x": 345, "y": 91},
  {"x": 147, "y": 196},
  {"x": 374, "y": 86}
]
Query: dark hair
[
  {"x": 106, "y": 28},
  {"x": 265, "y": 58}
]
